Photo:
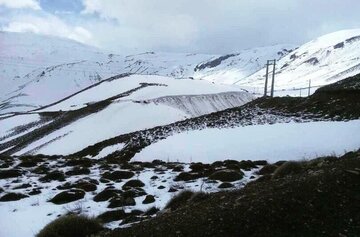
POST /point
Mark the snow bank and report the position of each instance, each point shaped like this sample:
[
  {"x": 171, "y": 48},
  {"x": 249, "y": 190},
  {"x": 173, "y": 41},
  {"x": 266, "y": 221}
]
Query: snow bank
[{"x": 287, "y": 141}]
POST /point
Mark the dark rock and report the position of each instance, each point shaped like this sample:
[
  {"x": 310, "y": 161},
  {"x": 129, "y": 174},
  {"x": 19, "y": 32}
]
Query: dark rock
[
  {"x": 68, "y": 196},
  {"x": 133, "y": 183},
  {"x": 116, "y": 175},
  {"x": 106, "y": 195},
  {"x": 149, "y": 199},
  {"x": 22, "y": 186},
  {"x": 134, "y": 192},
  {"x": 227, "y": 175},
  {"x": 56, "y": 175},
  {"x": 161, "y": 187},
  {"x": 5, "y": 174},
  {"x": 78, "y": 171},
  {"x": 35, "y": 191},
  {"x": 172, "y": 190},
  {"x": 121, "y": 201},
  {"x": 226, "y": 185},
  {"x": 12, "y": 197},
  {"x": 154, "y": 177},
  {"x": 86, "y": 186},
  {"x": 186, "y": 176}
]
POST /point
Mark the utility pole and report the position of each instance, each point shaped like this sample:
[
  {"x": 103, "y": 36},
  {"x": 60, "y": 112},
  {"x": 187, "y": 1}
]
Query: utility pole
[
  {"x": 309, "y": 87},
  {"x": 266, "y": 77},
  {"x": 269, "y": 63},
  {"x": 273, "y": 78}
]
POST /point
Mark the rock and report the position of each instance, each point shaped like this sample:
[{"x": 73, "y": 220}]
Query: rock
[
  {"x": 78, "y": 171},
  {"x": 154, "y": 177},
  {"x": 226, "y": 185},
  {"x": 134, "y": 192},
  {"x": 116, "y": 175},
  {"x": 149, "y": 199},
  {"x": 106, "y": 195},
  {"x": 56, "y": 175},
  {"x": 68, "y": 196},
  {"x": 198, "y": 167},
  {"x": 185, "y": 176},
  {"x": 133, "y": 183},
  {"x": 5, "y": 174},
  {"x": 86, "y": 186},
  {"x": 161, "y": 187},
  {"x": 27, "y": 185},
  {"x": 172, "y": 190},
  {"x": 12, "y": 197},
  {"x": 121, "y": 201},
  {"x": 35, "y": 191},
  {"x": 226, "y": 175}
]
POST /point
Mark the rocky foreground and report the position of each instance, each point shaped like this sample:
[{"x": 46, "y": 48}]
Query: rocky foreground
[{"x": 315, "y": 198}]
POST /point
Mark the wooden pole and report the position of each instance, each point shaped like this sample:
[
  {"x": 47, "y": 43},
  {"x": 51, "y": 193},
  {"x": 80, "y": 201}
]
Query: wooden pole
[{"x": 309, "y": 87}]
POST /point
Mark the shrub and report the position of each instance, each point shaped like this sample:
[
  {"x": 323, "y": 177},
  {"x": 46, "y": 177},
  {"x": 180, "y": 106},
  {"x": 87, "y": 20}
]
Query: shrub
[
  {"x": 227, "y": 175},
  {"x": 110, "y": 216},
  {"x": 179, "y": 200},
  {"x": 290, "y": 167},
  {"x": 267, "y": 169},
  {"x": 71, "y": 226}
]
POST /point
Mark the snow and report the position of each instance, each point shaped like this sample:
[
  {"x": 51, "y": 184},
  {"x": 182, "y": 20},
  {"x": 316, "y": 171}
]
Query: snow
[
  {"x": 108, "y": 150},
  {"x": 283, "y": 141},
  {"x": 116, "y": 119}
]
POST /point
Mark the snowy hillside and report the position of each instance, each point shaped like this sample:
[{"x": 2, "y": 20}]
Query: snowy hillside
[
  {"x": 324, "y": 60},
  {"x": 117, "y": 106},
  {"x": 38, "y": 70},
  {"x": 231, "y": 68},
  {"x": 21, "y": 53}
]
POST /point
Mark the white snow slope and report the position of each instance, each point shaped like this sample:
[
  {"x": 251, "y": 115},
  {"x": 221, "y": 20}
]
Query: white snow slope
[
  {"x": 38, "y": 70},
  {"x": 281, "y": 141},
  {"x": 163, "y": 102},
  {"x": 324, "y": 60}
]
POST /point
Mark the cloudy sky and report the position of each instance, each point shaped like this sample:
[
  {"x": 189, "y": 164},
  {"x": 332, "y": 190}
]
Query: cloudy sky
[{"x": 203, "y": 26}]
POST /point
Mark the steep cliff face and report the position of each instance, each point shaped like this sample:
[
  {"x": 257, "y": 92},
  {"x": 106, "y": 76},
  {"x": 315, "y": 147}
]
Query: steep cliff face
[{"x": 197, "y": 105}]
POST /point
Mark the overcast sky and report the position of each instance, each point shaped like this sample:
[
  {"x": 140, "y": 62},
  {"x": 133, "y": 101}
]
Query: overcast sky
[{"x": 202, "y": 26}]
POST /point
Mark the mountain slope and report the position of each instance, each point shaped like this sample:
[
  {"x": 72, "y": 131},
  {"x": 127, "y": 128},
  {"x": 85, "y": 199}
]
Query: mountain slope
[
  {"x": 119, "y": 105},
  {"x": 325, "y": 60}
]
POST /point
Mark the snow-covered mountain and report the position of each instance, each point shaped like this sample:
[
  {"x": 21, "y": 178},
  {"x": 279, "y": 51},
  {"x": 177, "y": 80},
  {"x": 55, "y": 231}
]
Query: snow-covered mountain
[
  {"x": 39, "y": 70},
  {"x": 324, "y": 60}
]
